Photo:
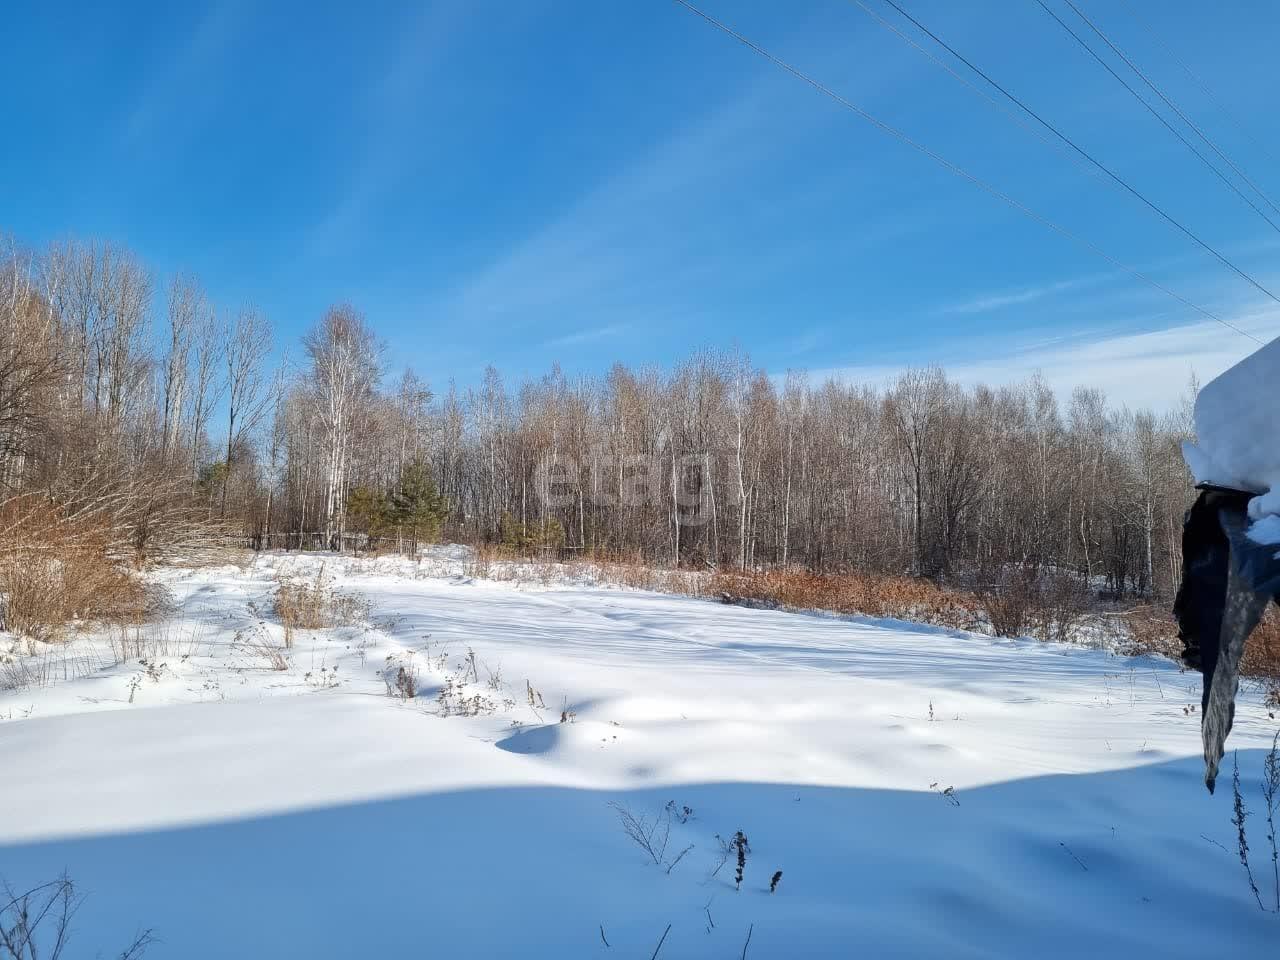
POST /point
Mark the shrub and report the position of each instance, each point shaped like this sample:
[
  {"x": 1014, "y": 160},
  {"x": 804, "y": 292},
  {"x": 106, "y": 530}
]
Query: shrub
[
  {"x": 481, "y": 564},
  {"x": 37, "y": 922},
  {"x": 1008, "y": 600},
  {"x": 1026, "y": 600},
  {"x": 651, "y": 836},
  {"x": 904, "y": 598},
  {"x": 1153, "y": 630},
  {"x": 1061, "y": 601},
  {"x": 315, "y": 604},
  {"x": 401, "y": 678},
  {"x": 54, "y": 572},
  {"x": 258, "y": 643}
]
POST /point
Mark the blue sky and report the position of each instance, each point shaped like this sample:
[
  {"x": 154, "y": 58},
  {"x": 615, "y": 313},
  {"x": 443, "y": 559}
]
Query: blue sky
[{"x": 524, "y": 182}]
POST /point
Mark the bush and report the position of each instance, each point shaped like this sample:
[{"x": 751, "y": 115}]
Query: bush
[
  {"x": 1044, "y": 602},
  {"x": 1008, "y": 601}
]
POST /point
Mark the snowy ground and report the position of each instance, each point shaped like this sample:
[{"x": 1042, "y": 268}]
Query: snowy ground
[{"x": 923, "y": 792}]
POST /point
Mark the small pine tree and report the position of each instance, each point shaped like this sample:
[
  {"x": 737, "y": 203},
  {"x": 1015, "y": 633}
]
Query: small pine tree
[
  {"x": 417, "y": 507},
  {"x": 512, "y": 533},
  {"x": 547, "y": 536},
  {"x": 537, "y": 536}
]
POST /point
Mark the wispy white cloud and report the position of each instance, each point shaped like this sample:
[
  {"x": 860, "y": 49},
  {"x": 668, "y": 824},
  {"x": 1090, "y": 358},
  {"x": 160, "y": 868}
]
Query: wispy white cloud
[
  {"x": 589, "y": 254},
  {"x": 392, "y": 110},
  {"x": 588, "y": 336},
  {"x": 1150, "y": 369},
  {"x": 187, "y": 76},
  {"x": 638, "y": 239},
  {"x": 1013, "y": 298},
  {"x": 806, "y": 342}
]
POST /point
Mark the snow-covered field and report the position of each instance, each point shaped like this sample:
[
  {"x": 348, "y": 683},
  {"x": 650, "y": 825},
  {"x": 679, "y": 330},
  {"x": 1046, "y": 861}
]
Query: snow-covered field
[{"x": 924, "y": 793}]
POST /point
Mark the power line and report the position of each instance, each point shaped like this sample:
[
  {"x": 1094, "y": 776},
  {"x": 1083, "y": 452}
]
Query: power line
[
  {"x": 1156, "y": 113},
  {"x": 1011, "y": 114},
  {"x": 1172, "y": 106},
  {"x": 1204, "y": 87},
  {"x": 1119, "y": 180},
  {"x": 953, "y": 168}
]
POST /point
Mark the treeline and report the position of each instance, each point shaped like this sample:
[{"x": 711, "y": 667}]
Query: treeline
[{"x": 134, "y": 398}]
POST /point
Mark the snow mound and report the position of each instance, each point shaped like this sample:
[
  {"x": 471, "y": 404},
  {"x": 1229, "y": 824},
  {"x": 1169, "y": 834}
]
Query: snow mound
[{"x": 1237, "y": 418}]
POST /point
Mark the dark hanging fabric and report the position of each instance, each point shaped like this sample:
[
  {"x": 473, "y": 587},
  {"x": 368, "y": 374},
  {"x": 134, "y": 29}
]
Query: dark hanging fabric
[{"x": 1227, "y": 580}]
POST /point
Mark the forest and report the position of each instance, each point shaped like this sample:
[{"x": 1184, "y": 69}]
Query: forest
[{"x": 139, "y": 419}]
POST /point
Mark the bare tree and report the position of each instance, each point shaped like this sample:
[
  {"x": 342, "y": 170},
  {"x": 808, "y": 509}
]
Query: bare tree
[
  {"x": 249, "y": 394},
  {"x": 207, "y": 385},
  {"x": 185, "y": 305},
  {"x": 914, "y": 411}
]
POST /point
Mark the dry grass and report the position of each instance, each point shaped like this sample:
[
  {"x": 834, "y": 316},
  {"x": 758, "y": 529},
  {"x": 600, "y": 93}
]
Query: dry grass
[
  {"x": 45, "y": 665},
  {"x": 54, "y": 573},
  {"x": 639, "y": 576},
  {"x": 483, "y": 559},
  {"x": 315, "y": 604},
  {"x": 1048, "y": 608},
  {"x": 902, "y": 598},
  {"x": 1153, "y": 630},
  {"x": 155, "y": 642},
  {"x": 401, "y": 677},
  {"x": 258, "y": 643},
  {"x": 502, "y": 564}
]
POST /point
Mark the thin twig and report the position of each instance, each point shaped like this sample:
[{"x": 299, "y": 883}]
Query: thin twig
[
  {"x": 1073, "y": 856},
  {"x": 1271, "y": 796},
  {"x": 1239, "y": 814},
  {"x": 748, "y": 943},
  {"x": 602, "y": 936},
  {"x": 139, "y": 946},
  {"x": 1215, "y": 843},
  {"x": 672, "y": 864},
  {"x": 661, "y": 942}
]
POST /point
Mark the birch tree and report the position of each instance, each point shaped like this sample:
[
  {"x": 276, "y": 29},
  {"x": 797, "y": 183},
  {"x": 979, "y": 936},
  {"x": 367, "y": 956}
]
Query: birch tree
[{"x": 345, "y": 362}]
